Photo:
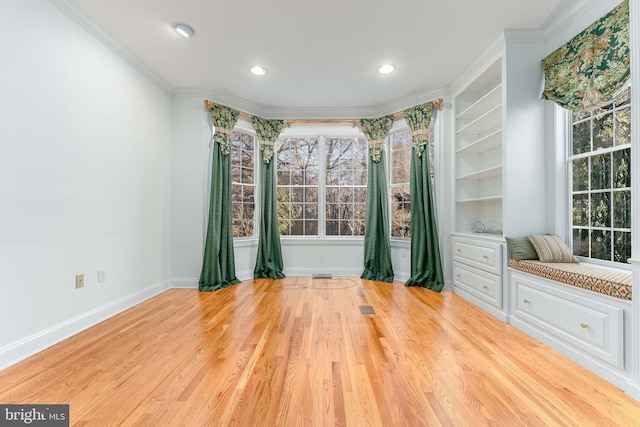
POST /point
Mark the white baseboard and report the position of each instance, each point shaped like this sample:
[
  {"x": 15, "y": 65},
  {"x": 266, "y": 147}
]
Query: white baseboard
[
  {"x": 193, "y": 282},
  {"x": 20, "y": 350},
  {"x": 611, "y": 374},
  {"x": 632, "y": 389},
  {"x": 244, "y": 275},
  {"x": 184, "y": 283},
  {"x": 333, "y": 271}
]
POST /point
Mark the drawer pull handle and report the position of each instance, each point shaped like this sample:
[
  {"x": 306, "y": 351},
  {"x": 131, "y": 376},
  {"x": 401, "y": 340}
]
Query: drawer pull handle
[
  {"x": 485, "y": 257},
  {"x": 458, "y": 250},
  {"x": 584, "y": 325},
  {"x": 458, "y": 276},
  {"x": 485, "y": 288},
  {"x": 526, "y": 301}
]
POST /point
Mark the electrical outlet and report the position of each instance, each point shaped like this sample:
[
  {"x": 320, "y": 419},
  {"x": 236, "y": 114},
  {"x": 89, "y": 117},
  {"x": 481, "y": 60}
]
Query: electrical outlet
[
  {"x": 79, "y": 281},
  {"x": 102, "y": 274}
]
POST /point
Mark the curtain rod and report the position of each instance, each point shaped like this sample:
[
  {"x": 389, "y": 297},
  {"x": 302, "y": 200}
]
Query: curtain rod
[{"x": 208, "y": 105}]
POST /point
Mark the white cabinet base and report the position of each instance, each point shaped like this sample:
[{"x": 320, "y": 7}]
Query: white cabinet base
[{"x": 584, "y": 326}]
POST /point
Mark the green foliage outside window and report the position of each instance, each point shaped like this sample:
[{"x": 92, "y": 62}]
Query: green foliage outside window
[{"x": 600, "y": 161}]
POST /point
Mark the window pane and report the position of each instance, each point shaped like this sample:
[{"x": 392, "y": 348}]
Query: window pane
[
  {"x": 581, "y": 242},
  {"x": 622, "y": 246},
  {"x": 242, "y": 189},
  {"x": 622, "y": 209},
  {"x": 623, "y": 126},
  {"x": 248, "y": 228},
  {"x": 601, "y": 172},
  {"x": 284, "y": 195},
  {"x": 621, "y": 168},
  {"x": 311, "y": 228},
  {"x": 311, "y": 177},
  {"x": 311, "y": 211},
  {"x": 581, "y": 174},
  {"x": 603, "y": 131},
  {"x": 284, "y": 227},
  {"x": 397, "y": 228},
  {"x": 284, "y": 177},
  {"x": 332, "y": 228},
  {"x": 247, "y": 176},
  {"x": 601, "y": 244},
  {"x": 297, "y": 200},
  {"x": 400, "y": 177},
  {"x": 360, "y": 177},
  {"x": 601, "y": 182},
  {"x": 581, "y": 209},
  {"x": 311, "y": 195},
  {"x": 581, "y": 137},
  {"x": 346, "y": 195},
  {"x": 346, "y": 163},
  {"x": 359, "y": 211},
  {"x": 332, "y": 194},
  {"x": 236, "y": 174},
  {"x": 600, "y": 210},
  {"x": 297, "y": 194},
  {"x": 297, "y": 228}
]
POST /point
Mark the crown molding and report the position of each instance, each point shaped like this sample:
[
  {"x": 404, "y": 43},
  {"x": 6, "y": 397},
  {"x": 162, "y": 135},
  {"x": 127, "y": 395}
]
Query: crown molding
[
  {"x": 492, "y": 54},
  {"x": 562, "y": 19},
  {"x": 269, "y": 112},
  {"x": 85, "y": 23}
]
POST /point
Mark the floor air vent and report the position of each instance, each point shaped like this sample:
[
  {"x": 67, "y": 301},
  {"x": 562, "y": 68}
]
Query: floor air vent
[
  {"x": 366, "y": 309},
  {"x": 321, "y": 276}
]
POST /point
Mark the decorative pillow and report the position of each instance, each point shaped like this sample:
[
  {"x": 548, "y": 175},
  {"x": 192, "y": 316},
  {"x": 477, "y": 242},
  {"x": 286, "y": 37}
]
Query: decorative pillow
[
  {"x": 551, "y": 248},
  {"x": 521, "y": 248}
]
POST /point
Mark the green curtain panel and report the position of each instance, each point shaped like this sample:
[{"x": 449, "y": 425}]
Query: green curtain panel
[
  {"x": 218, "y": 266},
  {"x": 426, "y": 264},
  {"x": 269, "y": 262},
  {"x": 594, "y": 67},
  {"x": 377, "y": 249}
]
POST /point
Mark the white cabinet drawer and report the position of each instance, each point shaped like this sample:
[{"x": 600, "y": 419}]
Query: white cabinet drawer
[
  {"x": 479, "y": 283},
  {"x": 486, "y": 256},
  {"x": 592, "y": 326}
]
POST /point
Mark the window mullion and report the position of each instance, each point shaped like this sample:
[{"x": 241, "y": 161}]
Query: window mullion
[{"x": 322, "y": 181}]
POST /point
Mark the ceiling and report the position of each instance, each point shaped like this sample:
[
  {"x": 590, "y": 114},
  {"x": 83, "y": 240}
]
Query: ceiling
[{"x": 321, "y": 54}]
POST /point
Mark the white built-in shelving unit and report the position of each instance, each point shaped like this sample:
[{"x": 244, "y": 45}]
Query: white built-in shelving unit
[{"x": 478, "y": 154}]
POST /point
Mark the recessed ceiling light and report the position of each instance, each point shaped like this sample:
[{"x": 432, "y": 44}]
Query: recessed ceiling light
[
  {"x": 183, "y": 29},
  {"x": 258, "y": 70},
  {"x": 386, "y": 69}
]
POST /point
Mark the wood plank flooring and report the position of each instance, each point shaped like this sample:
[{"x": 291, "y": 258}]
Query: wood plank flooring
[{"x": 298, "y": 352}]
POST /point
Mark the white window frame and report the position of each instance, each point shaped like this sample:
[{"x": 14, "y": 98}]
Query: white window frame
[
  {"x": 564, "y": 133},
  {"x": 391, "y": 185},
  {"x": 257, "y": 157}
]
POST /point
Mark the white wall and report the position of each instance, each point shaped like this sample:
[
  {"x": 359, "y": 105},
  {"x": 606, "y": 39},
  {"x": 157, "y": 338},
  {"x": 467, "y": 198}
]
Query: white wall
[
  {"x": 84, "y": 179},
  {"x": 189, "y": 166}
]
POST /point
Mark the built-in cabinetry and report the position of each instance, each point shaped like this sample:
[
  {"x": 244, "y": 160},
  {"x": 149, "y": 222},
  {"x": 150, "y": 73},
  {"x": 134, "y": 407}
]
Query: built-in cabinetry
[
  {"x": 478, "y": 246},
  {"x": 477, "y": 272},
  {"x": 499, "y": 173},
  {"x": 478, "y": 155},
  {"x": 585, "y": 326}
]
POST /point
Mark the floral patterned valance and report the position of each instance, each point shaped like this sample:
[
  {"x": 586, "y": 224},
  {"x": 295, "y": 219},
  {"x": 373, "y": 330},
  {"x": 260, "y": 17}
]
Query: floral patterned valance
[
  {"x": 268, "y": 132},
  {"x": 420, "y": 120},
  {"x": 224, "y": 119},
  {"x": 593, "y": 68},
  {"x": 376, "y": 131}
]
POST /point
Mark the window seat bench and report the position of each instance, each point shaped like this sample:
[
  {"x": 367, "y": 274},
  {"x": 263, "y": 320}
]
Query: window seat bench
[{"x": 614, "y": 283}]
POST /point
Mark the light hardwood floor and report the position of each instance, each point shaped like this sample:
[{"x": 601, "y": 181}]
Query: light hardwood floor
[{"x": 298, "y": 352}]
